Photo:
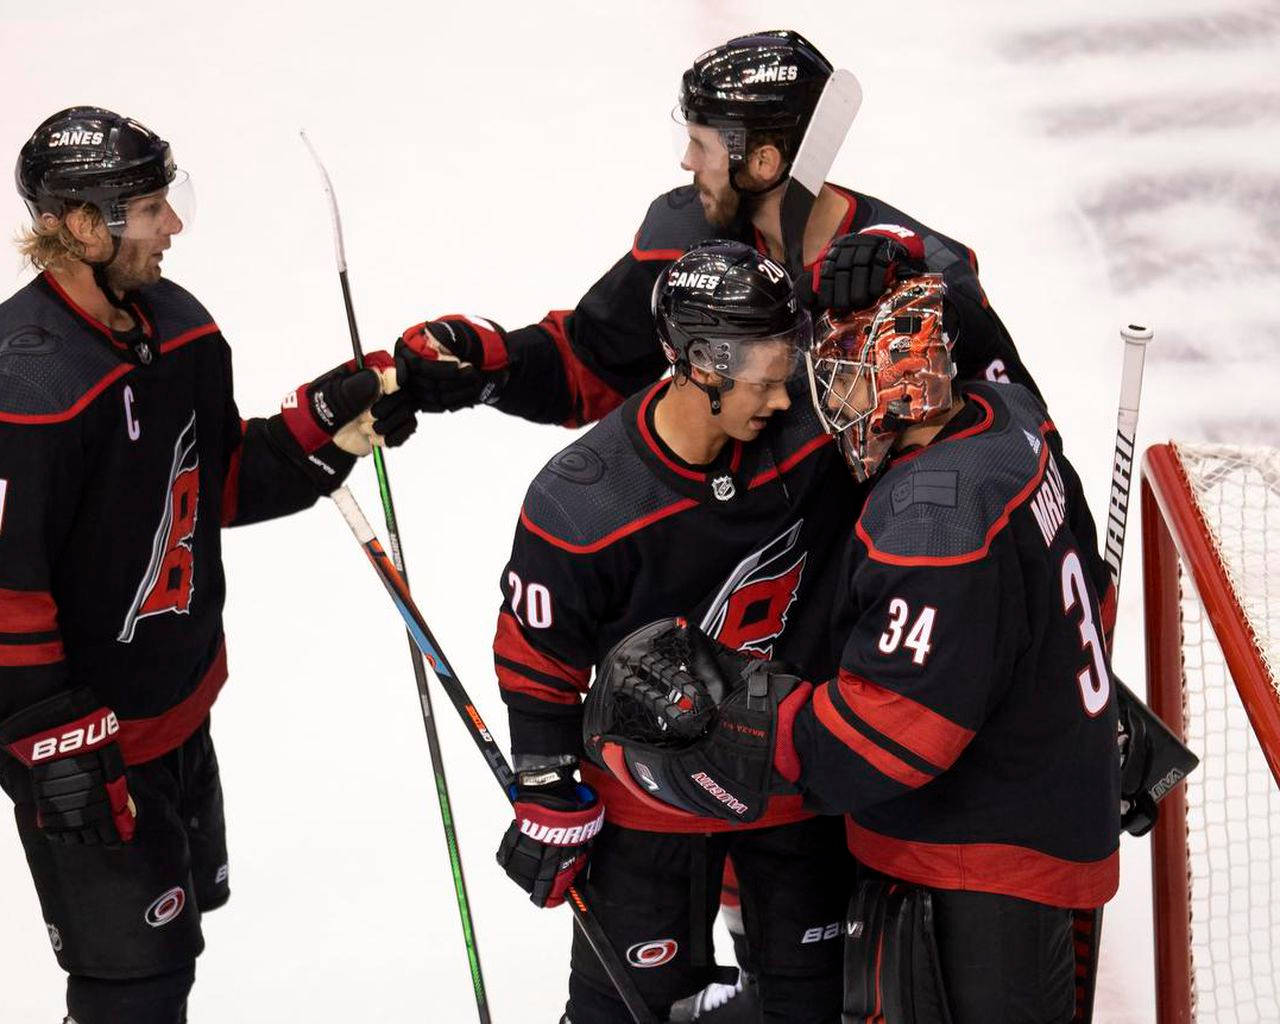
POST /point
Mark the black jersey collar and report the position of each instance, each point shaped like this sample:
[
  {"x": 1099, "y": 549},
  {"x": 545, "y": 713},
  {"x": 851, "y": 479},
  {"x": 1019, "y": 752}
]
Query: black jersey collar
[{"x": 138, "y": 345}]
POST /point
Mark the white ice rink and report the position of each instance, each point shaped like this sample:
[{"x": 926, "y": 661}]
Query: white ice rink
[{"x": 1108, "y": 160}]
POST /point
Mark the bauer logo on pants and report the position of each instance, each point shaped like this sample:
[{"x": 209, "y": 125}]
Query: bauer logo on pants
[
  {"x": 654, "y": 953},
  {"x": 166, "y": 907}
]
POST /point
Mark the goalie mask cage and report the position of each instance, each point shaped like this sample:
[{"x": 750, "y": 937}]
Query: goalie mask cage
[{"x": 1211, "y": 579}]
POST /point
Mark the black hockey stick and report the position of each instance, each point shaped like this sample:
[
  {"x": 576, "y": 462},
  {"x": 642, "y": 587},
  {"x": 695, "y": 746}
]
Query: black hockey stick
[
  {"x": 497, "y": 761},
  {"x": 832, "y": 117},
  {"x": 419, "y": 672}
]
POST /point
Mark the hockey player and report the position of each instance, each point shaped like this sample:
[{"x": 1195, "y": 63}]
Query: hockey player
[
  {"x": 745, "y": 106},
  {"x": 709, "y": 494},
  {"x": 970, "y": 731},
  {"x": 122, "y": 455}
]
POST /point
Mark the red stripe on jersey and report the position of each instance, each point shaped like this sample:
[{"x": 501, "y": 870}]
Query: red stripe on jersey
[
  {"x": 516, "y": 682},
  {"x": 231, "y": 485},
  {"x": 83, "y": 401},
  {"x": 989, "y": 867},
  {"x": 608, "y": 538},
  {"x": 27, "y": 611},
  {"x": 792, "y": 460},
  {"x": 23, "y": 655},
  {"x": 145, "y": 739},
  {"x": 591, "y": 396},
  {"x": 647, "y": 255},
  {"x": 921, "y": 730},
  {"x": 995, "y": 528},
  {"x": 510, "y": 642},
  {"x": 983, "y": 424},
  {"x": 643, "y": 424},
  {"x": 1107, "y": 611},
  {"x": 879, "y": 758}
]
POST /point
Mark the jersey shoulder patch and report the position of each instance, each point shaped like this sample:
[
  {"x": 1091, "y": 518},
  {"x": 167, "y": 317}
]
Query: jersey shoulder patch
[
  {"x": 945, "y": 504},
  {"x": 48, "y": 361},
  {"x": 596, "y": 491},
  {"x": 674, "y": 222},
  {"x": 176, "y": 310}
]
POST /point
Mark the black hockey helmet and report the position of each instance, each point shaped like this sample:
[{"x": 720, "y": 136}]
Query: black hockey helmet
[
  {"x": 720, "y": 301},
  {"x": 87, "y": 155},
  {"x": 767, "y": 81}
]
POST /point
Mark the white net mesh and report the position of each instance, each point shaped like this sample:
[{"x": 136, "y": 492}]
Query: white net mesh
[{"x": 1233, "y": 803}]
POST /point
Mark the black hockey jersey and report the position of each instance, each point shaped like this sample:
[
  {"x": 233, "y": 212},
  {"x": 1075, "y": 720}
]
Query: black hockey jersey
[
  {"x": 970, "y": 732},
  {"x": 575, "y": 366},
  {"x": 116, "y": 478},
  {"x": 615, "y": 532}
]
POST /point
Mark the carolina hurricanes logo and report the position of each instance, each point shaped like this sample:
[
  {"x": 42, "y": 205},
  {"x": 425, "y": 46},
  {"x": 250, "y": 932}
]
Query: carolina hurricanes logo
[
  {"x": 654, "y": 953},
  {"x": 168, "y": 583},
  {"x": 166, "y": 907},
  {"x": 750, "y": 612}
]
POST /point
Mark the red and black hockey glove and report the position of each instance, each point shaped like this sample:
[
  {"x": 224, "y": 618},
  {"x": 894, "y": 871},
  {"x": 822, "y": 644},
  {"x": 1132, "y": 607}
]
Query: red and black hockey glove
[
  {"x": 316, "y": 426},
  {"x": 859, "y": 268},
  {"x": 453, "y": 362},
  {"x": 679, "y": 718},
  {"x": 547, "y": 845},
  {"x": 77, "y": 773}
]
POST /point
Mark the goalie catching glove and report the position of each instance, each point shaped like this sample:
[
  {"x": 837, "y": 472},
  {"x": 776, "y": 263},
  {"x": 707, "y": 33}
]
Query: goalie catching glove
[
  {"x": 547, "y": 845},
  {"x": 679, "y": 718}
]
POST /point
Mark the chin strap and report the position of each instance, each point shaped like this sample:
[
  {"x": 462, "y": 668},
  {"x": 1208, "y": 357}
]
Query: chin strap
[
  {"x": 136, "y": 340},
  {"x": 763, "y": 190}
]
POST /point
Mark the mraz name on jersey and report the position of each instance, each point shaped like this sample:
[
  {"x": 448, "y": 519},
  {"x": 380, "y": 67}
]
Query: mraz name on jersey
[{"x": 1049, "y": 505}]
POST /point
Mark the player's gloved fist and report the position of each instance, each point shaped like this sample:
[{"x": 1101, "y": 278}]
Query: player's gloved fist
[
  {"x": 324, "y": 425},
  {"x": 679, "y": 718},
  {"x": 858, "y": 268},
  {"x": 453, "y": 362},
  {"x": 548, "y": 843},
  {"x": 68, "y": 742}
]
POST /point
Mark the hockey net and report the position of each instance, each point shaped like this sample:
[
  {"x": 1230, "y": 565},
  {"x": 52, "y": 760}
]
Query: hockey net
[{"x": 1211, "y": 577}]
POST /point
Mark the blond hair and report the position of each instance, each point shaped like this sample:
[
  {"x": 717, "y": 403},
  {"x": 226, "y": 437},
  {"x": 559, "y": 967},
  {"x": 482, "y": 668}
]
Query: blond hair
[{"x": 49, "y": 244}]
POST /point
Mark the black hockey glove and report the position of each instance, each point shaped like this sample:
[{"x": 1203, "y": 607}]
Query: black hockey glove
[
  {"x": 318, "y": 426},
  {"x": 859, "y": 268},
  {"x": 1152, "y": 761},
  {"x": 453, "y": 362},
  {"x": 679, "y": 718},
  {"x": 547, "y": 845},
  {"x": 68, "y": 742}
]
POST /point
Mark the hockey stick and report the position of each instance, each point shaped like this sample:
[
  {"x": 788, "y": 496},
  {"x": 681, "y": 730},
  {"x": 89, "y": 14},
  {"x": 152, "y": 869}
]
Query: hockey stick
[
  {"x": 419, "y": 672},
  {"x": 426, "y": 643},
  {"x": 832, "y": 117}
]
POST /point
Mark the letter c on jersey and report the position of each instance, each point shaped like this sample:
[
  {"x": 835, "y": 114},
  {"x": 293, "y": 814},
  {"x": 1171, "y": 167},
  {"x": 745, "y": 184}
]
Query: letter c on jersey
[
  {"x": 654, "y": 953},
  {"x": 130, "y": 420}
]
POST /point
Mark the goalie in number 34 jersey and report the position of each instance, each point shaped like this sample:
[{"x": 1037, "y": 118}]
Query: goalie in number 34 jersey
[
  {"x": 969, "y": 731},
  {"x": 122, "y": 456}
]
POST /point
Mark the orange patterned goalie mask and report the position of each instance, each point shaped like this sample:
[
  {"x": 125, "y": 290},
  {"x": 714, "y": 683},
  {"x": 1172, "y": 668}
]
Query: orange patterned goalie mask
[{"x": 875, "y": 372}]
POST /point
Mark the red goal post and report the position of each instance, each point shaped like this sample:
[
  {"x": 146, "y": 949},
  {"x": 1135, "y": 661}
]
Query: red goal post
[{"x": 1211, "y": 519}]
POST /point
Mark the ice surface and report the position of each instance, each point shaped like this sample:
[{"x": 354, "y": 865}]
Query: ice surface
[{"x": 1109, "y": 160}]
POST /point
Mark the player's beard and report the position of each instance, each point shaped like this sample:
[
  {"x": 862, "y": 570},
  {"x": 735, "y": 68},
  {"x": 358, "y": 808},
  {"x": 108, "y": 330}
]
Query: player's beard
[
  {"x": 134, "y": 266},
  {"x": 720, "y": 207}
]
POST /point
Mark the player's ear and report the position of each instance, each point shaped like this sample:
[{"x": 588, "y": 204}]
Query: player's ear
[
  {"x": 705, "y": 378},
  {"x": 765, "y": 163}
]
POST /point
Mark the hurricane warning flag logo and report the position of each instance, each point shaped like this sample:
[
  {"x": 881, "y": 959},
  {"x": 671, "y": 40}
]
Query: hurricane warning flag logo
[
  {"x": 750, "y": 611},
  {"x": 169, "y": 581}
]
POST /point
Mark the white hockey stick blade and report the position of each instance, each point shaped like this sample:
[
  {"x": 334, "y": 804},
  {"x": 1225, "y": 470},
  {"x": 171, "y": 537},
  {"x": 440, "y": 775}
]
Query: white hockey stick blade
[
  {"x": 832, "y": 118},
  {"x": 353, "y": 515},
  {"x": 338, "y": 248}
]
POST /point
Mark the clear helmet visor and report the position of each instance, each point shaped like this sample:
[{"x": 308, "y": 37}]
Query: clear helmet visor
[
  {"x": 158, "y": 214},
  {"x": 701, "y": 146},
  {"x": 773, "y": 360}
]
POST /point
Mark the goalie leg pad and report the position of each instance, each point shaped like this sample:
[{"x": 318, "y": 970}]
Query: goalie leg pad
[{"x": 892, "y": 971}]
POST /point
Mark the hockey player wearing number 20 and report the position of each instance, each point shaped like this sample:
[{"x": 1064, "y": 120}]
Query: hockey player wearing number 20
[
  {"x": 714, "y": 493},
  {"x": 970, "y": 731},
  {"x": 122, "y": 455}
]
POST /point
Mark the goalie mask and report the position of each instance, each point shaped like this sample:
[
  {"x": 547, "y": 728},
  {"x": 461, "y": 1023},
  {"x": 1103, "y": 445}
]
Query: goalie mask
[{"x": 876, "y": 372}]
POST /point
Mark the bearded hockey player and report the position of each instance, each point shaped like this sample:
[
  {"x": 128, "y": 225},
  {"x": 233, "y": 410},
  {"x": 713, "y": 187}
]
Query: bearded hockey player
[
  {"x": 711, "y": 494},
  {"x": 745, "y": 106},
  {"x": 122, "y": 455},
  {"x": 970, "y": 731}
]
